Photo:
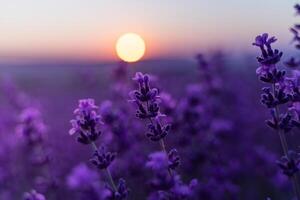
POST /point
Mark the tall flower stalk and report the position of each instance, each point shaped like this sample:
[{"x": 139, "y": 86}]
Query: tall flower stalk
[
  {"x": 277, "y": 94},
  {"x": 87, "y": 125},
  {"x": 167, "y": 184},
  {"x": 147, "y": 101}
]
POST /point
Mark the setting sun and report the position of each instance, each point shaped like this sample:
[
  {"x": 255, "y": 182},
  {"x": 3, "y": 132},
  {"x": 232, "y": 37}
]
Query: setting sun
[{"x": 130, "y": 47}]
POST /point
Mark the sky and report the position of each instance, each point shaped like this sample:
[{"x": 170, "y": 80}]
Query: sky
[{"x": 171, "y": 28}]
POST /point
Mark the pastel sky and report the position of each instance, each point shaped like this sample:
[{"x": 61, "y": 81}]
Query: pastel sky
[{"x": 89, "y": 28}]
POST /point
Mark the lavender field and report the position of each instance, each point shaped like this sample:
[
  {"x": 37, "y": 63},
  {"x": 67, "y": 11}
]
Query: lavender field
[{"x": 211, "y": 126}]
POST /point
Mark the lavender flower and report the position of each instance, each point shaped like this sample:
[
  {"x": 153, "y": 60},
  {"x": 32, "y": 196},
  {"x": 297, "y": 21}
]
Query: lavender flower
[
  {"x": 145, "y": 92},
  {"x": 87, "y": 122},
  {"x": 281, "y": 93},
  {"x": 283, "y": 122},
  {"x": 273, "y": 99},
  {"x": 121, "y": 193},
  {"x": 157, "y": 131},
  {"x": 268, "y": 56},
  {"x": 145, "y": 97},
  {"x": 102, "y": 159},
  {"x": 277, "y": 95},
  {"x": 147, "y": 100},
  {"x": 289, "y": 164}
]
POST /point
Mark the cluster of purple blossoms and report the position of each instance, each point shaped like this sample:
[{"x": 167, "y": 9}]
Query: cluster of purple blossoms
[
  {"x": 87, "y": 124},
  {"x": 147, "y": 100},
  {"x": 269, "y": 57},
  {"x": 121, "y": 191},
  {"x": 283, "y": 91},
  {"x": 157, "y": 131},
  {"x": 102, "y": 159},
  {"x": 290, "y": 163},
  {"x": 145, "y": 97}
]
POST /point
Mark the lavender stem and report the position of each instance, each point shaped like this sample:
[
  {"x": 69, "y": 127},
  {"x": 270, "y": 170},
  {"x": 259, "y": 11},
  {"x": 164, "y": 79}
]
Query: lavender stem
[
  {"x": 111, "y": 179},
  {"x": 163, "y": 147},
  {"x": 94, "y": 146}
]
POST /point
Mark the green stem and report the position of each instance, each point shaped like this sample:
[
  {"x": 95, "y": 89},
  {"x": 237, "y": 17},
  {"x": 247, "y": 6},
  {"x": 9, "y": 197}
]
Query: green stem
[
  {"x": 111, "y": 179},
  {"x": 162, "y": 144},
  {"x": 94, "y": 146}
]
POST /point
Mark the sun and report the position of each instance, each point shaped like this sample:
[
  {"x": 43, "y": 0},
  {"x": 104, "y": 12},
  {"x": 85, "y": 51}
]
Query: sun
[{"x": 130, "y": 47}]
